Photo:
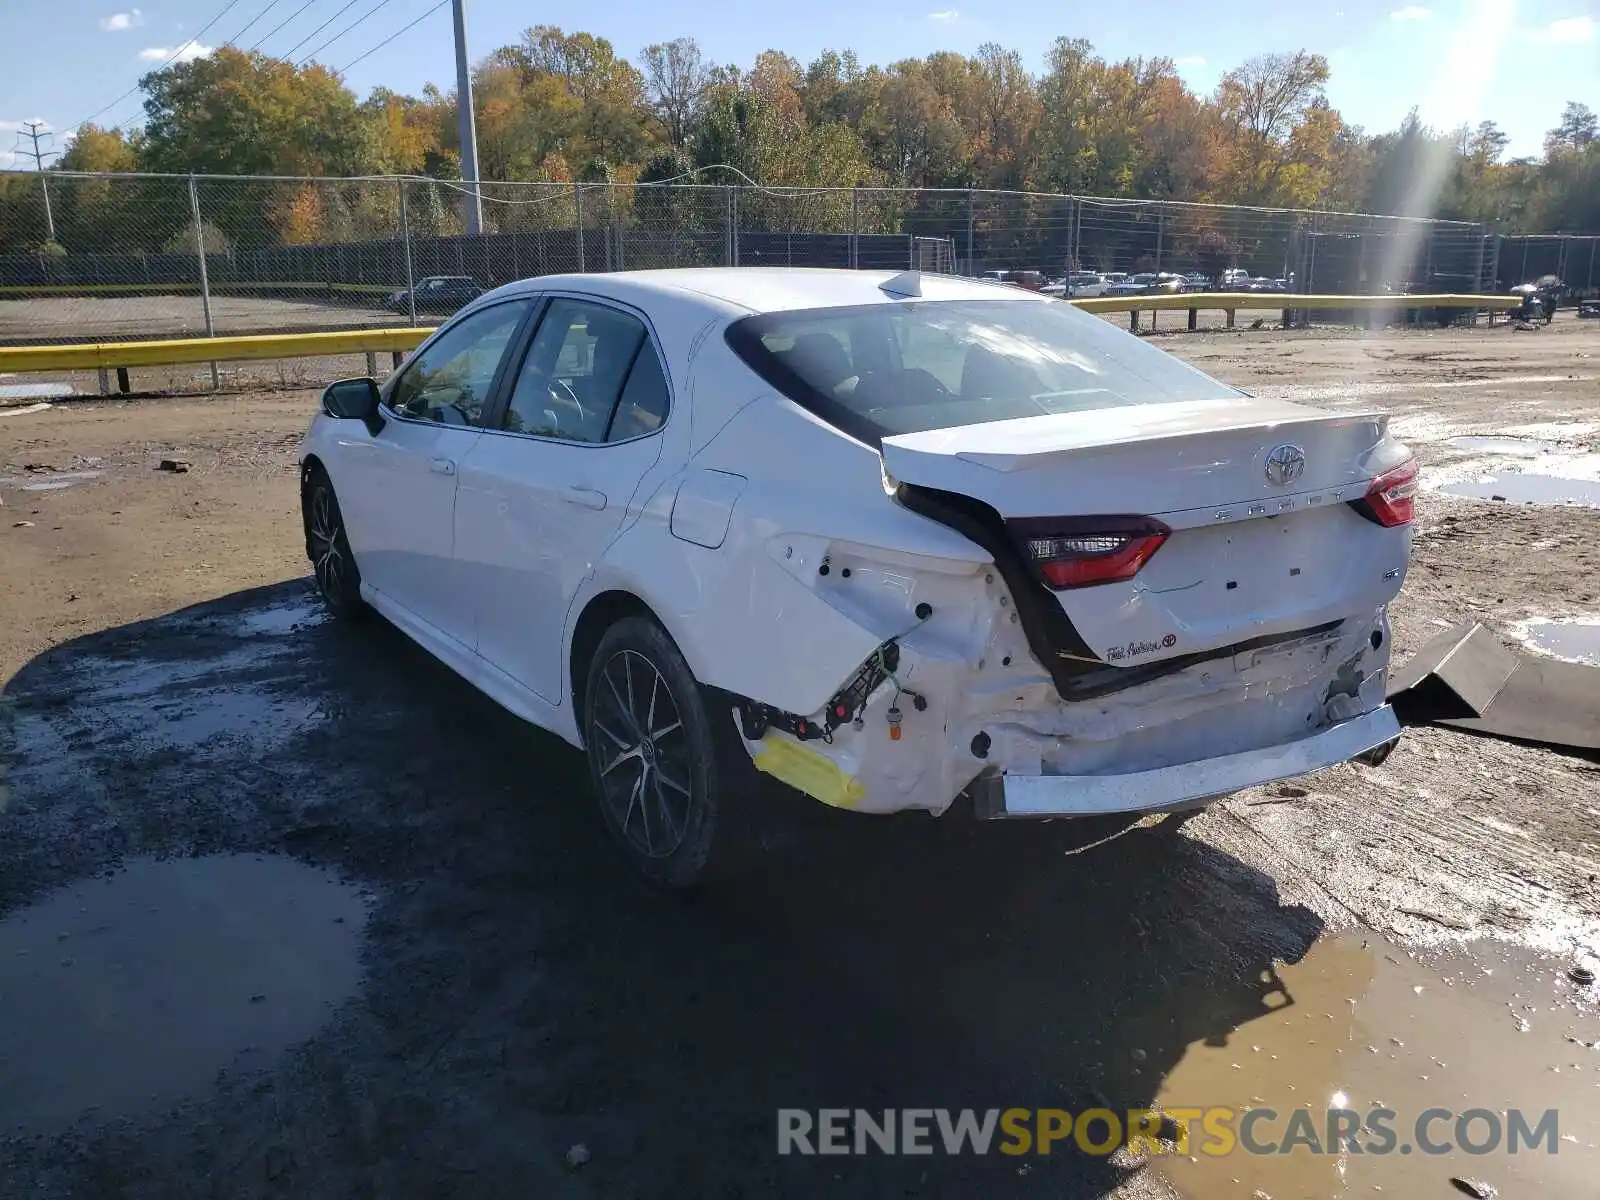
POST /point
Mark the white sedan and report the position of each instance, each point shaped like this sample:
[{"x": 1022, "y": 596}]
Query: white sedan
[{"x": 893, "y": 539}]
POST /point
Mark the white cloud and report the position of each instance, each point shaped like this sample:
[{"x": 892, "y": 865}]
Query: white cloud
[
  {"x": 1190, "y": 60},
  {"x": 119, "y": 21},
  {"x": 1567, "y": 31},
  {"x": 189, "y": 52},
  {"x": 1411, "y": 12},
  {"x": 944, "y": 14}
]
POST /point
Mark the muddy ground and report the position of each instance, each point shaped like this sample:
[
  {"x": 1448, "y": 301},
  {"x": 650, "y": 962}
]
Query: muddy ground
[{"x": 287, "y": 910}]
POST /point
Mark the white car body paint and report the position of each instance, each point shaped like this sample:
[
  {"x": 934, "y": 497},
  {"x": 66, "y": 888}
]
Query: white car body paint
[{"x": 722, "y": 521}]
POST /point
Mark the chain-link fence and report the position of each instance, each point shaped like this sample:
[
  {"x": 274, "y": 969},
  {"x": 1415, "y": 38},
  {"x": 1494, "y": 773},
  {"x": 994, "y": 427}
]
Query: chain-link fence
[{"x": 105, "y": 257}]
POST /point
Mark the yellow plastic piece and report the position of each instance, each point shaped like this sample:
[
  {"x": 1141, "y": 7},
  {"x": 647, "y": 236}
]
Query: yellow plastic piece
[{"x": 817, "y": 775}]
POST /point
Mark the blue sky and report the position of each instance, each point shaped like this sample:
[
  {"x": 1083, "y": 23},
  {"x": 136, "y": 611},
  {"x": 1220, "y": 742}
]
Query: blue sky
[{"x": 1459, "y": 60}]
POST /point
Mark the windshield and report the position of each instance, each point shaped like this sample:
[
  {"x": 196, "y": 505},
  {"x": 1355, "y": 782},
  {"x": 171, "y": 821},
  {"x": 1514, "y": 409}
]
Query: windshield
[{"x": 880, "y": 369}]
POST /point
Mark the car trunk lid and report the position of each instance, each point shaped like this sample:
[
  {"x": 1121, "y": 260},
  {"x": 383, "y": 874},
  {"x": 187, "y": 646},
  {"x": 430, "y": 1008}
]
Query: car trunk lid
[{"x": 1253, "y": 496}]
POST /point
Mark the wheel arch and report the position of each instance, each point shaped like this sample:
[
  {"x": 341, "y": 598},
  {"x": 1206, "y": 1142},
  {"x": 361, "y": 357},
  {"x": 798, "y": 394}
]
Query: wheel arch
[{"x": 600, "y": 612}]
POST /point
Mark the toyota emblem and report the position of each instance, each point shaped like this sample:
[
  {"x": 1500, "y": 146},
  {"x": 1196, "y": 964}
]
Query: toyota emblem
[{"x": 1285, "y": 464}]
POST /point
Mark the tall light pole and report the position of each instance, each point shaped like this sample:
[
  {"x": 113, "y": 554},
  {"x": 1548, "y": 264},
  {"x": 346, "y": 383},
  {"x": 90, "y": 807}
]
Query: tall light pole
[
  {"x": 469, "y": 123},
  {"x": 34, "y": 130}
]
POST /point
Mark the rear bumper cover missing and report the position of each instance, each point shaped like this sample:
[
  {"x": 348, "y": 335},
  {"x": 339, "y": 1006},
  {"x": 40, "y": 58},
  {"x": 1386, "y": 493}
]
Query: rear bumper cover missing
[{"x": 1185, "y": 784}]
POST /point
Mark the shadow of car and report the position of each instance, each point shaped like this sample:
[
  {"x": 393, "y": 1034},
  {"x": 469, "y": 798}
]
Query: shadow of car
[{"x": 525, "y": 992}]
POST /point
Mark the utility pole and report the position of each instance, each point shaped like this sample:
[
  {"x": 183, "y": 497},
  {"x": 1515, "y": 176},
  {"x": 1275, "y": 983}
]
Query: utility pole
[
  {"x": 469, "y": 124},
  {"x": 34, "y": 130}
]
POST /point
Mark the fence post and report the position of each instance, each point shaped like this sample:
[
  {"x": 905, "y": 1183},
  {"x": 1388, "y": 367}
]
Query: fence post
[
  {"x": 727, "y": 227},
  {"x": 733, "y": 208},
  {"x": 577, "y": 201},
  {"x": 1161, "y": 236},
  {"x": 911, "y": 252},
  {"x": 1477, "y": 275},
  {"x": 1589, "y": 282},
  {"x": 972, "y": 263},
  {"x": 405, "y": 238},
  {"x": 616, "y": 220},
  {"x": 205, "y": 283},
  {"x": 855, "y": 233}
]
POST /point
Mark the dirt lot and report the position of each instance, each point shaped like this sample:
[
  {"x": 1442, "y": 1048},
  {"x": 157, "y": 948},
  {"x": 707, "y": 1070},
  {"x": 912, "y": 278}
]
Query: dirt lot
[
  {"x": 287, "y": 910},
  {"x": 108, "y": 318}
]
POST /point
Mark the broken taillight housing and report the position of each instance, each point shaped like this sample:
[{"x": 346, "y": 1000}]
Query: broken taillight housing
[
  {"x": 1076, "y": 552},
  {"x": 1391, "y": 498}
]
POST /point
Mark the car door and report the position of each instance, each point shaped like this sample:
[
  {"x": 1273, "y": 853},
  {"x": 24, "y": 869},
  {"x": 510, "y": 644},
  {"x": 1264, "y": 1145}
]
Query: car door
[
  {"x": 544, "y": 494},
  {"x": 398, "y": 487}
]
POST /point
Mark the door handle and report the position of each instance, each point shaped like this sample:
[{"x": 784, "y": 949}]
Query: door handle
[
  {"x": 442, "y": 466},
  {"x": 584, "y": 497}
]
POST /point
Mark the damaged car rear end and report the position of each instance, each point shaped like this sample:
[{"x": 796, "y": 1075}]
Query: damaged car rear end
[{"x": 1073, "y": 574}]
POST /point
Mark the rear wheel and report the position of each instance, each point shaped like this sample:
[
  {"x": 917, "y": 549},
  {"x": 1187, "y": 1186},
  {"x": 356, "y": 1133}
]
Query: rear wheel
[
  {"x": 658, "y": 763},
  {"x": 328, "y": 547}
]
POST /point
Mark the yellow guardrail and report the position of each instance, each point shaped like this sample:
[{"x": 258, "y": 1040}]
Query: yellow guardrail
[
  {"x": 110, "y": 355},
  {"x": 1266, "y": 300},
  {"x": 114, "y": 355}
]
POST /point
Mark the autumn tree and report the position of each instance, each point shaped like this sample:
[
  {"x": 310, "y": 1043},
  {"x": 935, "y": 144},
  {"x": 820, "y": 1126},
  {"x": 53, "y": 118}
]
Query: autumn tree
[
  {"x": 233, "y": 113},
  {"x": 1261, "y": 104},
  {"x": 676, "y": 76}
]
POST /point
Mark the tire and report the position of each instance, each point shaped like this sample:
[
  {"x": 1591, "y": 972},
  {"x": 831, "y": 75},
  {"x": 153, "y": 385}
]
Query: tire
[
  {"x": 333, "y": 565},
  {"x": 661, "y": 784}
]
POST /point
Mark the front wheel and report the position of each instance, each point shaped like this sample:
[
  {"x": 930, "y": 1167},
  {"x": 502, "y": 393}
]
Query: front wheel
[
  {"x": 659, "y": 765},
  {"x": 328, "y": 546}
]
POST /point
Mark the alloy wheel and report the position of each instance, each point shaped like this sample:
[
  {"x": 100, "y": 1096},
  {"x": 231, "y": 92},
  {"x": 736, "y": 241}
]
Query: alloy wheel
[
  {"x": 642, "y": 758},
  {"x": 327, "y": 557}
]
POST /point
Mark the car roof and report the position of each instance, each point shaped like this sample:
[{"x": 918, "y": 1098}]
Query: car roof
[{"x": 742, "y": 290}]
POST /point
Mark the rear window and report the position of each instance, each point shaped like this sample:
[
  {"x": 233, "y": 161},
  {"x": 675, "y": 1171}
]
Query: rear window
[{"x": 877, "y": 370}]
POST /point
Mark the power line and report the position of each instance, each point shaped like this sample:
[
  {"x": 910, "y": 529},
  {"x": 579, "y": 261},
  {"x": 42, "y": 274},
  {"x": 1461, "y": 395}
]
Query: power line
[
  {"x": 290, "y": 52},
  {"x": 234, "y": 40},
  {"x": 407, "y": 26},
  {"x": 34, "y": 130},
  {"x": 172, "y": 58},
  {"x": 342, "y": 32},
  {"x": 261, "y": 41}
]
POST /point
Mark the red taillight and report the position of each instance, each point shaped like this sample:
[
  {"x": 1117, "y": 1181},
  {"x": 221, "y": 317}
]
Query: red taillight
[
  {"x": 1392, "y": 497},
  {"x": 1075, "y": 552}
]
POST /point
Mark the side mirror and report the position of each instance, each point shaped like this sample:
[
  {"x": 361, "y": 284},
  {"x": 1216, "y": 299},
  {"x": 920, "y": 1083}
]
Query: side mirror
[{"x": 353, "y": 400}]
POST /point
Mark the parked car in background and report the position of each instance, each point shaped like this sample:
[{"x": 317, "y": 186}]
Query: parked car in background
[
  {"x": 437, "y": 294},
  {"x": 1233, "y": 278},
  {"x": 1196, "y": 282},
  {"x": 891, "y": 538},
  {"x": 1082, "y": 285},
  {"x": 1149, "y": 283},
  {"x": 1032, "y": 280}
]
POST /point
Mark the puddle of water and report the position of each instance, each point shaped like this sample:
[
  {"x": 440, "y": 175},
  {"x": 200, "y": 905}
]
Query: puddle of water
[
  {"x": 1513, "y": 447},
  {"x": 1363, "y": 1025},
  {"x": 34, "y": 391},
  {"x": 1529, "y": 488},
  {"x": 125, "y": 994},
  {"x": 284, "y": 618},
  {"x": 50, "y": 483},
  {"x": 1576, "y": 639},
  {"x": 1554, "y": 430},
  {"x": 239, "y": 715}
]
